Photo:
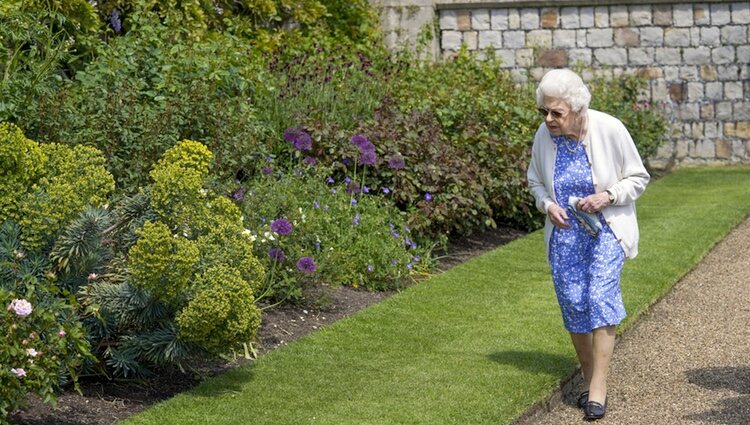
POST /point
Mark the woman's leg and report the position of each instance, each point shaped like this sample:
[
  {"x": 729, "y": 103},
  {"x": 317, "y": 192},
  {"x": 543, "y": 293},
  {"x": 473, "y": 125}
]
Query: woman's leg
[
  {"x": 583, "y": 344},
  {"x": 603, "y": 344}
]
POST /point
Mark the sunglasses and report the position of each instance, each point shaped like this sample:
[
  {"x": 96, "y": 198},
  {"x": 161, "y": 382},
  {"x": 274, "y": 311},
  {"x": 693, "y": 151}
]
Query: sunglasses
[{"x": 555, "y": 114}]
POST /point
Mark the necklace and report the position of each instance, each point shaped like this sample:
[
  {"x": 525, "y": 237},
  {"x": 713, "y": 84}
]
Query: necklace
[{"x": 576, "y": 144}]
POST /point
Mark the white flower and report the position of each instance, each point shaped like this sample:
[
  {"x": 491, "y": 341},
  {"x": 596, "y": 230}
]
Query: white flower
[
  {"x": 19, "y": 372},
  {"x": 32, "y": 352},
  {"x": 203, "y": 192},
  {"x": 21, "y": 307}
]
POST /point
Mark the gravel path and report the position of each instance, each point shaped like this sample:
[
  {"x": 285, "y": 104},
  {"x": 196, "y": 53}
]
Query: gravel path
[{"x": 688, "y": 360}]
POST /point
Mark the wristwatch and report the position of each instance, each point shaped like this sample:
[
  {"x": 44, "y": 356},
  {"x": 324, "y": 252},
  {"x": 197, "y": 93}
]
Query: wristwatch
[{"x": 611, "y": 197}]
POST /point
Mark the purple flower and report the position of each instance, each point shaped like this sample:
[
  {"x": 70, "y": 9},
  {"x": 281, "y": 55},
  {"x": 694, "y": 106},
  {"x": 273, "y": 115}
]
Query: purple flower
[
  {"x": 395, "y": 234},
  {"x": 306, "y": 265},
  {"x": 330, "y": 180},
  {"x": 333, "y": 191},
  {"x": 365, "y": 189},
  {"x": 276, "y": 254},
  {"x": 409, "y": 266},
  {"x": 263, "y": 219},
  {"x": 407, "y": 242},
  {"x": 19, "y": 372},
  {"x": 367, "y": 158},
  {"x": 281, "y": 226},
  {"x": 347, "y": 161},
  {"x": 362, "y": 144},
  {"x": 415, "y": 259},
  {"x": 386, "y": 190},
  {"x": 354, "y": 202},
  {"x": 356, "y": 220},
  {"x": 266, "y": 171},
  {"x": 317, "y": 245},
  {"x": 352, "y": 187},
  {"x": 316, "y": 205},
  {"x": 391, "y": 225},
  {"x": 239, "y": 194},
  {"x": 427, "y": 196},
  {"x": 396, "y": 162},
  {"x": 370, "y": 268},
  {"x": 394, "y": 261},
  {"x": 309, "y": 161},
  {"x": 115, "y": 21},
  {"x": 268, "y": 158},
  {"x": 299, "y": 138},
  {"x": 347, "y": 180},
  {"x": 21, "y": 307}
]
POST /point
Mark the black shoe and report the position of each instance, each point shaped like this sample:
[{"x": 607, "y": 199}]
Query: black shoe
[
  {"x": 594, "y": 410},
  {"x": 583, "y": 399}
]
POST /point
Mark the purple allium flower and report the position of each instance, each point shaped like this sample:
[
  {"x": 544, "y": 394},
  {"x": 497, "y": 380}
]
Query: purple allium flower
[
  {"x": 266, "y": 171},
  {"x": 299, "y": 138},
  {"x": 306, "y": 265},
  {"x": 359, "y": 140},
  {"x": 281, "y": 226},
  {"x": 21, "y": 307},
  {"x": 356, "y": 220},
  {"x": 115, "y": 21},
  {"x": 276, "y": 254},
  {"x": 367, "y": 158},
  {"x": 19, "y": 372},
  {"x": 309, "y": 161},
  {"x": 427, "y": 196},
  {"x": 239, "y": 194},
  {"x": 396, "y": 162},
  {"x": 370, "y": 268},
  {"x": 386, "y": 190},
  {"x": 330, "y": 180}
]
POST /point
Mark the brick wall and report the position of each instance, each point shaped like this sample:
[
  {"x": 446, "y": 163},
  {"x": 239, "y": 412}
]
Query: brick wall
[{"x": 696, "y": 55}]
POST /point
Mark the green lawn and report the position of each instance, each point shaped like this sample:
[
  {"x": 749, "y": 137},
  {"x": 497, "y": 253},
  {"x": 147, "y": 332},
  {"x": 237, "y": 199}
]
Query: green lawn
[{"x": 477, "y": 344}]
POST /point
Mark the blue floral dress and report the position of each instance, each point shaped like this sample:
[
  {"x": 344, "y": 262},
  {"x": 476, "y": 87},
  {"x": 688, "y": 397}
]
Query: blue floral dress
[{"x": 585, "y": 269}]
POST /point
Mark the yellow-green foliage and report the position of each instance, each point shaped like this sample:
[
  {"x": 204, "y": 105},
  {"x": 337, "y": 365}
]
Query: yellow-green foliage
[
  {"x": 197, "y": 257},
  {"x": 21, "y": 163},
  {"x": 46, "y": 186},
  {"x": 222, "y": 314},
  {"x": 162, "y": 262},
  {"x": 177, "y": 194},
  {"x": 225, "y": 244},
  {"x": 80, "y": 12}
]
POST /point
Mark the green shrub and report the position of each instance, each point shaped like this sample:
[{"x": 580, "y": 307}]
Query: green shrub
[
  {"x": 43, "y": 342},
  {"x": 46, "y": 186},
  {"x": 353, "y": 233}
]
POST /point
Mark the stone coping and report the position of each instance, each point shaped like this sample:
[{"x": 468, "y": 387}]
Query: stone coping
[{"x": 492, "y": 4}]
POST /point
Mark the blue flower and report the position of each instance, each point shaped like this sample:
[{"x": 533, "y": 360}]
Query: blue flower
[
  {"x": 356, "y": 220},
  {"x": 354, "y": 202},
  {"x": 427, "y": 196},
  {"x": 316, "y": 205},
  {"x": 409, "y": 266},
  {"x": 370, "y": 268},
  {"x": 394, "y": 261},
  {"x": 395, "y": 234},
  {"x": 115, "y": 21},
  {"x": 330, "y": 180},
  {"x": 386, "y": 190}
]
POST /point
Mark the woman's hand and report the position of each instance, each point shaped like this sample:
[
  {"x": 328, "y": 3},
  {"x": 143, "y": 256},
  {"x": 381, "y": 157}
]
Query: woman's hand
[
  {"x": 594, "y": 203},
  {"x": 558, "y": 216}
]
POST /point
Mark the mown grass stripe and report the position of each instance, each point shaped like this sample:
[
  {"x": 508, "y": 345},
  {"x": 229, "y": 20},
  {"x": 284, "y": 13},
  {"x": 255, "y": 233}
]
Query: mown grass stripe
[{"x": 477, "y": 344}]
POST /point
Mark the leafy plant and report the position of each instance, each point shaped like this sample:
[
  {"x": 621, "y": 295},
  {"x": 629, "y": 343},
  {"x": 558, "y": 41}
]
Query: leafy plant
[{"x": 43, "y": 341}]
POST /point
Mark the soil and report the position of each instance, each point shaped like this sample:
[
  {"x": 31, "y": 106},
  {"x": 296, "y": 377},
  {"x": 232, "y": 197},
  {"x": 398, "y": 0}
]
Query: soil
[{"x": 108, "y": 401}]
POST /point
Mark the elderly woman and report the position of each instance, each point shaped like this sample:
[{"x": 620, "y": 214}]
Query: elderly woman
[{"x": 584, "y": 161}]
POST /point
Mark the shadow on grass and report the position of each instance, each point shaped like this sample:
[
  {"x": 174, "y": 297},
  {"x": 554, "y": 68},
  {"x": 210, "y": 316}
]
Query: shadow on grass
[{"x": 535, "y": 361}]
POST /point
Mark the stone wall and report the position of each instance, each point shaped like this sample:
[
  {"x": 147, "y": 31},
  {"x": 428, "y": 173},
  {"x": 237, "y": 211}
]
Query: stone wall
[{"x": 696, "y": 55}]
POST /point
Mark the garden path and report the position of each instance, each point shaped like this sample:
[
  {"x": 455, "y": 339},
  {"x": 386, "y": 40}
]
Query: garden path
[{"x": 687, "y": 361}]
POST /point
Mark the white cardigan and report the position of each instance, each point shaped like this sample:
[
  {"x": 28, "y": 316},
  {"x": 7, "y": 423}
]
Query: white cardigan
[{"x": 616, "y": 166}]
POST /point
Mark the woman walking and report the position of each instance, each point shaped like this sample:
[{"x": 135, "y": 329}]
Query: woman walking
[{"x": 585, "y": 166}]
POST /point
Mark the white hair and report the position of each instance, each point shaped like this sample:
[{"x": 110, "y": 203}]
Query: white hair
[{"x": 566, "y": 85}]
